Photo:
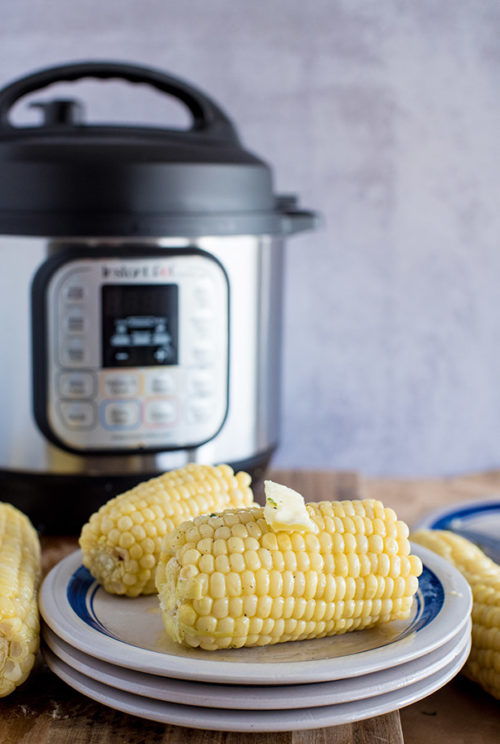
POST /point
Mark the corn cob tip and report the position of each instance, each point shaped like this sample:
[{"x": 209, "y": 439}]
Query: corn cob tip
[
  {"x": 121, "y": 542},
  {"x": 483, "y": 576},
  {"x": 20, "y": 578}
]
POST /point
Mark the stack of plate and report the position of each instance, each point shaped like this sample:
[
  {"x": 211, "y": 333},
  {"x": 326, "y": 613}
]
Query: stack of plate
[{"x": 115, "y": 650}]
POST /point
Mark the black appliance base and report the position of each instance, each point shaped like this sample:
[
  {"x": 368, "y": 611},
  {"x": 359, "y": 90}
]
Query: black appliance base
[{"x": 61, "y": 504}]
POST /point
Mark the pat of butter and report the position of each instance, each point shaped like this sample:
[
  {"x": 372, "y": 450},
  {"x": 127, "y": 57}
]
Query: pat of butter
[{"x": 285, "y": 509}]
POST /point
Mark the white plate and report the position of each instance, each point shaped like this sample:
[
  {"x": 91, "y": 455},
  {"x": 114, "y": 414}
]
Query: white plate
[
  {"x": 256, "y": 720},
  {"x": 483, "y": 516},
  {"x": 257, "y": 697},
  {"x": 129, "y": 632}
]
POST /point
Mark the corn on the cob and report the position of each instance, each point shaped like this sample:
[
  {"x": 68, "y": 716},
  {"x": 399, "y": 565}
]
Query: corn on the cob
[
  {"x": 230, "y": 580},
  {"x": 483, "y": 575},
  {"x": 19, "y": 579},
  {"x": 121, "y": 542}
]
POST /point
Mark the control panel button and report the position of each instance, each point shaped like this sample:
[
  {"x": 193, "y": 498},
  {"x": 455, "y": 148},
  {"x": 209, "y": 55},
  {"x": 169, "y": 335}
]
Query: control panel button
[
  {"x": 198, "y": 411},
  {"x": 121, "y": 385},
  {"x": 74, "y": 291},
  {"x": 203, "y": 293},
  {"x": 203, "y": 355},
  {"x": 121, "y": 414},
  {"x": 78, "y": 414},
  {"x": 160, "y": 412},
  {"x": 201, "y": 384},
  {"x": 202, "y": 325},
  {"x": 74, "y": 319},
  {"x": 73, "y": 351},
  {"x": 76, "y": 385},
  {"x": 160, "y": 383}
]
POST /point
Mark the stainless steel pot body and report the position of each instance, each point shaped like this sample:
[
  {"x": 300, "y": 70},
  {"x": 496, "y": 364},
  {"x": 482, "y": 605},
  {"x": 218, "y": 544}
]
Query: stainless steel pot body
[{"x": 253, "y": 266}]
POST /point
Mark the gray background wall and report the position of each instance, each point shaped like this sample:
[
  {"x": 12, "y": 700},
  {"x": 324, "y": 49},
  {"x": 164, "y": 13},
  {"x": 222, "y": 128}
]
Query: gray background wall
[{"x": 385, "y": 116}]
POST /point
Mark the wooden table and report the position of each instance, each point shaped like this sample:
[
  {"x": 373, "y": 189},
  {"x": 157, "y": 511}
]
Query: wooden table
[{"x": 46, "y": 711}]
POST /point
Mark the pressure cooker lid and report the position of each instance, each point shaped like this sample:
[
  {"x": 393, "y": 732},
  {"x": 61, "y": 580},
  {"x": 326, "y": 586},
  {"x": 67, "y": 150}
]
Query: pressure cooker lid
[{"x": 69, "y": 178}]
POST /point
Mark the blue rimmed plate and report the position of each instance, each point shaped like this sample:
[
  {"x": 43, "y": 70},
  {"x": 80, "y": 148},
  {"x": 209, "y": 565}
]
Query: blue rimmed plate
[
  {"x": 129, "y": 632},
  {"x": 478, "y": 521}
]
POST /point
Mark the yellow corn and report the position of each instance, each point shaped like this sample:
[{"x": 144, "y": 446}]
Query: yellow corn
[
  {"x": 121, "y": 542},
  {"x": 483, "y": 575},
  {"x": 19, "y": 579},
  {"x": 230, "y": 580}
]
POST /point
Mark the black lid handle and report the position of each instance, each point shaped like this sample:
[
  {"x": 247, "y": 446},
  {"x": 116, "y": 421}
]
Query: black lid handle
[{"x": 207, "y": 116}]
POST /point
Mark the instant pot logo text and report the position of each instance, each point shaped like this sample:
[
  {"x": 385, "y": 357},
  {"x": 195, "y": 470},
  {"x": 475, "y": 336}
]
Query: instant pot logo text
[{"x": 141, "y": 271}]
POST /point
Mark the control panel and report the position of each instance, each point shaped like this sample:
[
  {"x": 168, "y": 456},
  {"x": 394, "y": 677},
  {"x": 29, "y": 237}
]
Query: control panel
[{"x": 136, "y": 352}]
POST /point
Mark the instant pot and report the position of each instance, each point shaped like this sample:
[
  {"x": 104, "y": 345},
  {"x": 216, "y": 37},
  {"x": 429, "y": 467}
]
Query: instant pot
[{"x": 141, "y": 298}]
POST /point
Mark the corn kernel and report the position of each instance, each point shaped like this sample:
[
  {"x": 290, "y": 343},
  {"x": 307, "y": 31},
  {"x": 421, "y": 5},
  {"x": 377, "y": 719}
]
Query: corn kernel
[
  {"x": 264, "y": 606},
  {"x": 206, "y": 624},
  {"x": 190, "y": 556},
  {"x": 226, "y": 626},
  {"x": 288, "y": 583},
  {"x": 248, "y": 582},
  {"x": 237, "y": 562},
  {"x": 265, "y": 558},
  {"x": 222, "y": 564},
  {"x": 126, "y": 540},
  {"x": 241, "y": 626},
  {"x": 269, "y": 541},
  {"x": 236, "y": 545},
  {"x": 207, "y": 563},
  {"x": 299, "y": 584},
  {"x": 220, "y": 608},
  {"x": 187, "y": 615},
  {"x": 262, "y": 582},
  {"x": 250, "y": 605},
  {"x": 252, "y": 560},
  {"x": 278, "y": 560},
  {"x": 217, "y": 585},
  {"x": 297, "y": 543},
  {"x": 220, "y": 546},
  {"x": 284, "y": 541},
  {"x": 124, "y": 523},
  {"x": 236, "y": 607},
  {"x": 233, "y": 584},
  {"x": 384, "y": 565},
  {"x": 205, "y": 545},
  {"x": 203, "y": 606}
]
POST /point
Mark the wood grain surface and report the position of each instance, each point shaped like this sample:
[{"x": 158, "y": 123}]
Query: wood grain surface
[{"x": 47, "y": 711}]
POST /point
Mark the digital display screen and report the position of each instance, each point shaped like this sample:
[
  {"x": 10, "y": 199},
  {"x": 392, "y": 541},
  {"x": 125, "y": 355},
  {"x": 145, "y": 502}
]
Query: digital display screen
[{"x": 140, "y": 325}]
